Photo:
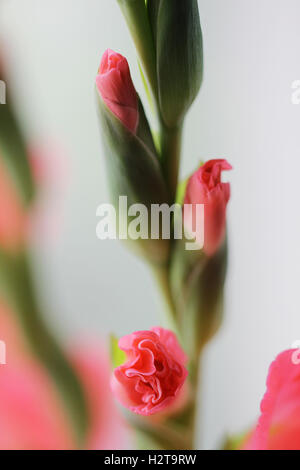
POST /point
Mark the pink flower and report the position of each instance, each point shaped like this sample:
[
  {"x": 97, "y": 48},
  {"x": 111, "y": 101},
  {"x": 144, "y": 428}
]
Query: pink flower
[
  {"x": 154, "y": 373},
  {"x": 117, "y": 90},
  {"x": 13, "y": 218},
  {"x": 278, "y": 427},
  {"x": 205, "y": 187},
  {"x": 32, "y": 416}
]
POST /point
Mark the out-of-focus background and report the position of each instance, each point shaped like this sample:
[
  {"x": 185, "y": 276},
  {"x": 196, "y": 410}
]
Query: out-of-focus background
[{"x": 244, "y": 113}]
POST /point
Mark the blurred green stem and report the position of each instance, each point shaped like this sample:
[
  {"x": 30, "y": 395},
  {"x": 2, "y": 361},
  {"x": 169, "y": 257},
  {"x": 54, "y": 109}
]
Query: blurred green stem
[{"x": 16, "y": 284}]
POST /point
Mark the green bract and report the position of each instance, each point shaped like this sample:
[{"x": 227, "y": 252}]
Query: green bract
[
  {"x": 168, "y": 38},
  {"x": 197, "y": 284},
  {"x": 179, "y": 55},
  {"x": 117, "y": 356},
  {"x": 134, "y": 171}
]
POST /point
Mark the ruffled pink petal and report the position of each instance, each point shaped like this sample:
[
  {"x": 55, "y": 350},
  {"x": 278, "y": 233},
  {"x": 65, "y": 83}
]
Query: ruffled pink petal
[{"x": 154, "y": 373}]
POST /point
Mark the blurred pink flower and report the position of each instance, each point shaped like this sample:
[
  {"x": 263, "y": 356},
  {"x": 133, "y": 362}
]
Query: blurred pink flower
[
  {"x": 154, "y": 373},
  {"x": 108, "y": 430},
  {"x": 13, "y": 218},
  {"x": 42, "y": 220},
  {"x": 278, "y": 427},
  {"x": 205, "y": 187},
  {"x": 32, "y": 415},
  {"x": 117, "y": 90},
  {"x": 50, "y": 172}
]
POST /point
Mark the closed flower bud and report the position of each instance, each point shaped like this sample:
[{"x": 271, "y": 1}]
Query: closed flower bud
[
  {"x": 179, "y": 55},
  {"x": 117, "y": 90},
  {"x": 205, "y": 187},
  {"x": 150, "y": 380},
  {"x": 133, "y": 165}
]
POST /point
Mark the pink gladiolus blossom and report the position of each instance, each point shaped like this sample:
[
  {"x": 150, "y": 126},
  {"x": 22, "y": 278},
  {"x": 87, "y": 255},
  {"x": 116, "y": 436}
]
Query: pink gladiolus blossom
[
  {"x": 278, "y": 427},
  {"x": 31, "y": 411},
  {"x": 117, "y": 90},
  {"x": 205, "y": 187},
  {"x": 13, "y": 218},
  {"x": 154, "y": 373}
]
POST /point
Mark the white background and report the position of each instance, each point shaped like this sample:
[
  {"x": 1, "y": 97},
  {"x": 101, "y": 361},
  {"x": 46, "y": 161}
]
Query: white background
[{"x": 243, "y": 113}]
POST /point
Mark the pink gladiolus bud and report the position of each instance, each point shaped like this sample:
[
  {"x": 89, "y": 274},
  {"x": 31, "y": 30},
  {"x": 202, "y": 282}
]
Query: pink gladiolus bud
[
  {"x": 205, "y": 187},
  {"x": 154, "y": 373},
  {"x": 117, "y": 90},
  {"x": 279, "y": 424}
]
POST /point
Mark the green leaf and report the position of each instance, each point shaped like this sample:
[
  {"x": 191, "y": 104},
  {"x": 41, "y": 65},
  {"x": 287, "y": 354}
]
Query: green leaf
[
  {"x": 153, "y": 9},
  {"x": 144, "y": 132},
  {"x": 179, "y": 55},
  {"x": 146, "y": 87},
  {"x": 118, "y": 357}
]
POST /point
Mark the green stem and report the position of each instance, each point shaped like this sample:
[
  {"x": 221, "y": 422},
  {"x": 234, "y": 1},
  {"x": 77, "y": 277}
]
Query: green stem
[
  {"x": 185, "y": 423},
  {"x": 16, "y": 284},
  {"x": 171, "y": 151},
  {"x": 179, "y": 432},
  {"x": 161, "y": 274}
]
